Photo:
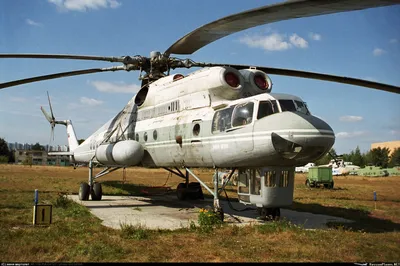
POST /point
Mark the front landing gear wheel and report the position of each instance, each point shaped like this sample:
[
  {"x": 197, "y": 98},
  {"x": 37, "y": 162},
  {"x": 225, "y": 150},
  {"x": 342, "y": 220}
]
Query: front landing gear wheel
[
  {"x": 84, "y": 191},
  {"x": 96, "y": 192}
]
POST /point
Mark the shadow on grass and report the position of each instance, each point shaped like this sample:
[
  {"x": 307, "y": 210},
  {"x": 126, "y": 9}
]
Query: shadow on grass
[
  {"x": 363, "y": 221},
  {"x": 124, "y": 189}
]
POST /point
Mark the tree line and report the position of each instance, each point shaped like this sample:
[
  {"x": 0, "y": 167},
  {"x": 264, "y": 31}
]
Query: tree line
[{"x": 377, "y": 157}]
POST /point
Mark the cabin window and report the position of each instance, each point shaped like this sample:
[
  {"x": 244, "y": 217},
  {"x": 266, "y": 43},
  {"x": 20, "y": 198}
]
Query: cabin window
[
  {"x": 243, "y": 114},
  {"x": 287, "y": 105},
  {"x": 222, "y": 120},
  {"x": 196, "y": 129},
  {"x": 137, "y": 137},
  {"x": 284, "y": 179},
  {"x": 155, "y": 134},
  {"x": 302, "y": 108},
  {"x": 243, "y": 184},
  {"x": 145, "y": 136},
  {"x": 255, "y": 182},
  {"x": 270, "y": 179},
  {"x": 266, "y": 108}
]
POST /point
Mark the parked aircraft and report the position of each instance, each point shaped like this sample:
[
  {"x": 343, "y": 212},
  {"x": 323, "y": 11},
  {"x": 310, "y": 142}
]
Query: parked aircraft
[{"x": 221, "y": 116}]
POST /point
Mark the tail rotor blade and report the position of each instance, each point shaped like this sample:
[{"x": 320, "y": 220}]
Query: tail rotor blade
[
  {"x": 51, "y": 109},
  {"x": 46, "y": 114}
]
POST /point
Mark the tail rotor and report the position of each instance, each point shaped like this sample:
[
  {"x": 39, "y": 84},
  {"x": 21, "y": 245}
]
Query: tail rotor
[{"x": 51, "y": 118}]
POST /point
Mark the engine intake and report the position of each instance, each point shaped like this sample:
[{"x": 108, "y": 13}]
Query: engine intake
[{"x": 256, "y": 82}]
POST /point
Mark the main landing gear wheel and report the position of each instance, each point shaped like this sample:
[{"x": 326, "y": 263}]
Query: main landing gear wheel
[
  {"x": 193, "y": 191},
  {"x": 96, "y": 192},
  {"x": 84, "y": 191},
  {"x": 181, "y": 191}
]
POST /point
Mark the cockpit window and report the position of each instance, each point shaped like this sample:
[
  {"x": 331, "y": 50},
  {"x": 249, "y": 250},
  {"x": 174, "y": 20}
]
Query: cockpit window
[
  {"x": 233, "y": 116},
  {"x": 302, "y": 107},
  {"x": 243, "y": 114},
  {"x": 266, "y": 108},
  {"x": 287, "y": 105},
  {"x": 222, "y": 120}
]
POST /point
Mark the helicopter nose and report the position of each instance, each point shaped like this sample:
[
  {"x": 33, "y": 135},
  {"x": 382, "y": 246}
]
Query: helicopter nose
[{"x": 299, "y": 137}]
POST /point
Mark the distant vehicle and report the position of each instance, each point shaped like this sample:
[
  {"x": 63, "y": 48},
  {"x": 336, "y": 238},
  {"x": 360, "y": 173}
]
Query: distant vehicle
[
  {"x": 304, "y": 169},
  {"x": 340, "y": 167}
]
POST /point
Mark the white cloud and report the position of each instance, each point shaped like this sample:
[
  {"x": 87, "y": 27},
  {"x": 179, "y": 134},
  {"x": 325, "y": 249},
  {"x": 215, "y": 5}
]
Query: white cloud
[
  {"x": 84, "y": 5},
  {"x": 18, "y": 99},
  {"x": 393, "y": 41},
  {"x": 297, "y": 41},
  {"x": 90, "y": 101},
  {"x": 378, "y": 52},
  {"x": 274, "y": 42},
  {"x": 350, "y": 118},
  {"x": 33, "y": 23},
  {"x": 315, "y": 36},
  {"x": 117, "y": 87},
  {"x": 350, "y": 134},
  {"x": 395, "y": 132}
]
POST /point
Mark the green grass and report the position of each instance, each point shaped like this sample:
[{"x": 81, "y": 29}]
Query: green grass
[{"x": 77, "y": 236}]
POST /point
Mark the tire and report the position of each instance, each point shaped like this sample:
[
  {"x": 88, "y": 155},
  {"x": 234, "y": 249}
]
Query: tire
[
  {"x": 96, "y": 192},
  {"x": 84, "y": 191},
  {"x": 181, "y": 191},
  {"x": 276, "y": 214},
  {"x": 327, "y": 185},
  {"x": 194, "y": 191},
  {"x": 332, "y": 185}
]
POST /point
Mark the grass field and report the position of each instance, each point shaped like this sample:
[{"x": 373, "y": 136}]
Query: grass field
[{"x": 77, "y": 236}]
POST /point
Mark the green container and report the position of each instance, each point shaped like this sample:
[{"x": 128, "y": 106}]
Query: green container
[{"x": 320, "y": 176}]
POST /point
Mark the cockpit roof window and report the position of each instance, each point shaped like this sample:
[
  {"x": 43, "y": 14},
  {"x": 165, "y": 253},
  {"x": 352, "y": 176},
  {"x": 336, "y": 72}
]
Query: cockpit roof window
[
  {"x": 302, "y": 107},
  {"x": 266, "y": 108},
  {"x": 287, "y": 105}
]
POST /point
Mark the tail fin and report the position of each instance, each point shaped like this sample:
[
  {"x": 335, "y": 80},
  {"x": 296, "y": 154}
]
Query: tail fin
[{"x": 72, "y": 140}]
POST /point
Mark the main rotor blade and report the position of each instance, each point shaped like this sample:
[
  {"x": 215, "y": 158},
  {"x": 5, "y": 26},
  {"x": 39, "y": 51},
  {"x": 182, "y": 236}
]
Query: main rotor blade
[
  {"x": 65, "y": 56},
  {"x": 51, "y": 109},
  {"x": 267, "y": 14},
  {"x": 60, "y": 75},
  {"x": 320, "y": 76}
]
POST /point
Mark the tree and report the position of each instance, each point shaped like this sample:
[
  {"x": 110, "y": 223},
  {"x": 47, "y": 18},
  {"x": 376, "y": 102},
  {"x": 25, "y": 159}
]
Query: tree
[
  {"x": 4, "y": 148},
  {"x": 395, "y": 158},
  {"x": 380, "y": 157},
  {"x": 357, "y": 158},
  {"x": 5, "y": 153},
  {"x": 38, "y": 147}
]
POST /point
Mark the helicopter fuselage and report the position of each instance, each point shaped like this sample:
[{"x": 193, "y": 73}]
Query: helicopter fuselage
[{"x": 201, "y": 121}]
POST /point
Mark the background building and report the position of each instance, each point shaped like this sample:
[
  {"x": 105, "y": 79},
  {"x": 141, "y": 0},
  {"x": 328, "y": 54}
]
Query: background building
[
  {"x": 391, "y": 145},
  {"x": 30, "y": 157}
]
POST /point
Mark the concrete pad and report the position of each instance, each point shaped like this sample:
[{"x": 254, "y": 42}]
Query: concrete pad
[{"x": 167, "y": 212}]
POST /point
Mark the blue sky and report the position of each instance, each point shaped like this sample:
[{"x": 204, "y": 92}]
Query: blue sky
[{"x": 363, "y": 44}]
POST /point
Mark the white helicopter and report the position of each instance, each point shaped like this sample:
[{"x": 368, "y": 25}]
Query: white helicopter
[{"x": 221, "y": 116}]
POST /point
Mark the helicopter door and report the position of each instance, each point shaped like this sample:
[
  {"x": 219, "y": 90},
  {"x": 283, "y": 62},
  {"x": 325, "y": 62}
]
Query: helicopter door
[
  {"x": 197, "y": 153},
  {"x": 242, "y": 126}
]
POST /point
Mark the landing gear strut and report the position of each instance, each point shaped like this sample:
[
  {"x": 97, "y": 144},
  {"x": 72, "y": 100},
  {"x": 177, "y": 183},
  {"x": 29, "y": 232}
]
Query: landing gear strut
[{"x": 92, "y": 188}]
